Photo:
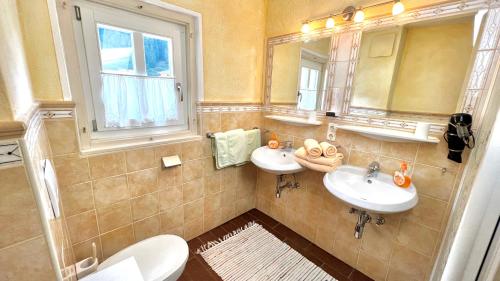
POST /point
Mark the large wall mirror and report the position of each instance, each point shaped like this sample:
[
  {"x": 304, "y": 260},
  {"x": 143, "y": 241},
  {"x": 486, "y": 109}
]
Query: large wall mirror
[
  {"x": 300, "y": 73},
  {"x": 388, "y": 71},
  {"x": 416, "y": 68}
]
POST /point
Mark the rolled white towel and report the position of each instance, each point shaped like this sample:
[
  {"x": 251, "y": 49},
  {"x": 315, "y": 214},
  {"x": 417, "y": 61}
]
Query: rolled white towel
[
  {"x": 329, "y": 150},
  {"x": 313, "y": 148}
]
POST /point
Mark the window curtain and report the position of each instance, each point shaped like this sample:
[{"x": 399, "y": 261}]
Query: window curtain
[{"x": 134, "y": 101}]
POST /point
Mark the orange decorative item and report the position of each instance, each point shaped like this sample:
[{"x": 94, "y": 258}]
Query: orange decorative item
[
  {"x": 273, "y": 142},
  {"x": 400, "y": 178}
]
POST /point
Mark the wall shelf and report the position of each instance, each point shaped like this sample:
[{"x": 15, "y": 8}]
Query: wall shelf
[
  {"x": 296, "y": 121},
  {"x": 389, "y": 135}
]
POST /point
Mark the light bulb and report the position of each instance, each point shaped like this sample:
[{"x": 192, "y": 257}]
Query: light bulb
[
  {"x": 359, "y": 16},
  {"x": 305, "y": 28},
  {"x": 398, "y": 8},
  {"x": 330, "y": 22}
]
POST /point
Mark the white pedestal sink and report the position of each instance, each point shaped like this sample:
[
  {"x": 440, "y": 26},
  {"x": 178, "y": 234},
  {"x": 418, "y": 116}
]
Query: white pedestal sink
[
  {"x": 276, "y": 161},
  {"x": 349, "y": 184}
]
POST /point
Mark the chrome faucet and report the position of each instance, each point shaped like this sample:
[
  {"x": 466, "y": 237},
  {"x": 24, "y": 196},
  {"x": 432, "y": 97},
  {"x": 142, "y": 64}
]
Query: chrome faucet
[{"x": 373, "y": 170}]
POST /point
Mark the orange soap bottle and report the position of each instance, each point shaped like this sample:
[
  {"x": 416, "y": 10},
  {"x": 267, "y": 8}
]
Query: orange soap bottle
[
  {"x": 273, "y": 142},
  {"x": 401, "y": 178}
]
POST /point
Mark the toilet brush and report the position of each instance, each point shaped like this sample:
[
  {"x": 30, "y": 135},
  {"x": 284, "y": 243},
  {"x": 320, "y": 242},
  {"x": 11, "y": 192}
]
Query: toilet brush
[{"x": 88, "y": 265}]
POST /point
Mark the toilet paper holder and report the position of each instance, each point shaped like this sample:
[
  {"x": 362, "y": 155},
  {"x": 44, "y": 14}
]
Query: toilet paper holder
[{"x": 88, "y": 265}]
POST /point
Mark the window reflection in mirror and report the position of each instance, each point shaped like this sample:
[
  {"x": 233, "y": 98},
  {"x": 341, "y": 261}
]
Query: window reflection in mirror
[
  {"x": 299, "y": 74},
  {"x": 415, "y": 68}
]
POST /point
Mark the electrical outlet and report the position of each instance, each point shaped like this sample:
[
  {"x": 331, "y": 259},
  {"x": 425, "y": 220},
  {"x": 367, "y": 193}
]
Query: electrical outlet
[{"x": 331, "y": 134}]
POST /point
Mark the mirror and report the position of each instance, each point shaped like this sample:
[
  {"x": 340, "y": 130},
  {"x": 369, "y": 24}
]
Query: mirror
[
  {"x": 299, "y": 74},
  {"x": 415, "y": 68}
]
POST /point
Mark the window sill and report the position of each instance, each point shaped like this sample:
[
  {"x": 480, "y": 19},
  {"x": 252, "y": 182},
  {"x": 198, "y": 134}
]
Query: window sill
[{"x": 115, "y": 146}]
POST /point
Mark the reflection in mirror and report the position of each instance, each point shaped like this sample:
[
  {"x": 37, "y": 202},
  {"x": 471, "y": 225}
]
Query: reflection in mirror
[
  {"x": 299, "y": 74},
  {"x": 415, "y": 68}
]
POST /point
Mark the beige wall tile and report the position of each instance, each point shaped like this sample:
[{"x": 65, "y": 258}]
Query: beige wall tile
[
  {"x": 212, "y": 202},
  {"x": 27, "y": 261},
  {"x": 209, "y": 167},
  {"x": 107, "y": 165},
  {"x": 361, "y": 143},
  {"x": 19, "y": 218},
  {"x": 378, "y": 242},
  {"x": 62, "y": 136},
  {"x": 192, "y": 190},
  {"x": 193, "y": 210},
  {"x": 116, "y": 240},
  {"x": 168, "y": 150},
  {"x": 227, "y": 178},
  {"x": 77, "y": 198},
  {"x": 212, "y": 219},
  {"x": 417, "y": 237},
  {"x": 372, "y": 267},
  {"x": 407, "y": 265},
  {"x": 428, "y": 211},
  {"x": 211, "y": 122},
  {"x": 390, "y": 165},
  {"x": 82, "y": 226},
  {"x": 244, "y": 205},
  {"x": 71, "y": 170},
  {"x": 228, "y": 121},
  {"x": 346, "y": 250},
  {"x": 172, "y": 218},
  {"x": 146, "y": 228},
  {"x": 191, "y": 150},
  {"x": 114, "y": 216},
  {"x": 212, "y": 184},
  {"x": 143, "y": 182},
  {"x": 433, "y": 182},
  {"x": 361, "y": 159},
  {"x": 140, "y": 159},
  {"x": 170, "y": 197},
  {"x": 110, "y": 190},
  {"x": 193, "y": 228},
  {"x": 83, "y": 250},
  {"x": 435, "y": 155},
  {"x": 192, "y": 170},
  {"x": 399, "y": 150},
  {"x": 145, "y": 206},
  {"x": 168, "y": 177}
]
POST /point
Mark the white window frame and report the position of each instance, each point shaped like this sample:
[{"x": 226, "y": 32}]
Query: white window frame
[{"x": 64, "y": 34}]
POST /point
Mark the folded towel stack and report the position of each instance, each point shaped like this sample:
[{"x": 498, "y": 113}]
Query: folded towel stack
[
  {"x": 322, "y": 157},
  {"x": 234, "y": 147}
]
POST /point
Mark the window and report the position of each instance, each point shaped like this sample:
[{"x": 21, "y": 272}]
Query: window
[
  {"x": 312, "y": 80},
  {"x": 134, "y": 71}
]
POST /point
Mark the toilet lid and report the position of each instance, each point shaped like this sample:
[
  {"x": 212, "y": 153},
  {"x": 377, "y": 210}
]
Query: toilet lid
[{"x": 157, "y": 257}]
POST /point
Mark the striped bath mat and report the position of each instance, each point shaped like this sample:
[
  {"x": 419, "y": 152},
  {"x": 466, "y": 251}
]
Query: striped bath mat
[{"x": 252, "y": 253}]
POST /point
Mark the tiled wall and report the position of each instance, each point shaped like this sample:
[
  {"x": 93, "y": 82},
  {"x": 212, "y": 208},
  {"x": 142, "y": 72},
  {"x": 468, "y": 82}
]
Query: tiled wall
[
  {"x": 24, "y": 253},
  {"x": 402, "y": 249},
  {"x": 118, "y": 198}
]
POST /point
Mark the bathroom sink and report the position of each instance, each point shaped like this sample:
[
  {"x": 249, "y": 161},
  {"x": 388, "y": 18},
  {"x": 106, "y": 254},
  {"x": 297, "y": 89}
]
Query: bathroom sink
[
  {"x": 275, "y": 161},
  {"x": 378, "y": 194}
]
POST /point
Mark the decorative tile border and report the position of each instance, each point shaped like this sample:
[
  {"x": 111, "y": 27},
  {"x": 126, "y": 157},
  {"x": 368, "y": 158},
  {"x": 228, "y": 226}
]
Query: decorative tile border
[
  {"x": 10, "y": 154},
  {"x": 229, "y": 108},
  {"x": 57, "y": 113}
]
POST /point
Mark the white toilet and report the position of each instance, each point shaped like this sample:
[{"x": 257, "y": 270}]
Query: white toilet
[{"x": 159, "y": 258}]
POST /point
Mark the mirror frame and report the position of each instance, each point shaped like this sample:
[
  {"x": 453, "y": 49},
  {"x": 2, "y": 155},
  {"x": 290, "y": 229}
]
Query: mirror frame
[{"x": 479, "y": 76}]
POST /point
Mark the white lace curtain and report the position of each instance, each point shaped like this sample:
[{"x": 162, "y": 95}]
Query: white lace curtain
[{"x": 133, "y": 101}]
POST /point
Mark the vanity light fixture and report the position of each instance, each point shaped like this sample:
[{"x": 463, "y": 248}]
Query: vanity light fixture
[
  {"x": 397, "y": 8},
  {"x": 359, "y": 16},
  {"x": 330, "y": 22},
  {"x": 306, "y": 28},
  {"x": 352, "y": 14}
]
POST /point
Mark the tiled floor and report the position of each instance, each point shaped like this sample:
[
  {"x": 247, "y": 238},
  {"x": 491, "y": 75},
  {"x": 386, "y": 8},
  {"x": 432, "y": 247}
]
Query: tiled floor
[{"x": 198, "y": 270}]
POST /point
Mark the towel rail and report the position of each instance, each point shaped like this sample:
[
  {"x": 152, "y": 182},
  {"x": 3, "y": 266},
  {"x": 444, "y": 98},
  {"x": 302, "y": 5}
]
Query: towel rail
[{"x": 211, "y": 135}]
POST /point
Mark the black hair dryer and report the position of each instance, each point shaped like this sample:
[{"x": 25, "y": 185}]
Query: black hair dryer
[{"x": 459, "y": 135}]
